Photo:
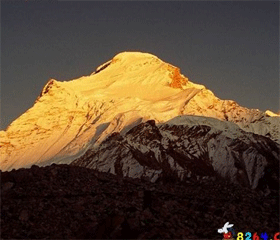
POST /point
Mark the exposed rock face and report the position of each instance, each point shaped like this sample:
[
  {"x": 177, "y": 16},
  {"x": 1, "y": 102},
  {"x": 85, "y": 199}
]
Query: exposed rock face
[
  {"x": 187, "y": 151},
  {"x": 178, "y": 80},
  {"x": 67, "y": 202}
]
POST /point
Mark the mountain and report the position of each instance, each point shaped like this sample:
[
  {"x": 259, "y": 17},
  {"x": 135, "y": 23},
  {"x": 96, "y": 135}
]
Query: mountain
[
  {"x": 71, "y": 117},
  {"x": 185, "y": 149}
]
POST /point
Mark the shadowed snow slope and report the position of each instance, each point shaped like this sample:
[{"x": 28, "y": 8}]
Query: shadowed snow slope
[{"x": 70, "y": 117}]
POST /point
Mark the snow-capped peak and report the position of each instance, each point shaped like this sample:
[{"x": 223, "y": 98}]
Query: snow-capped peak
[
  {"x": 71, "y": 116},
  {"x": 271, "y": 114},
  {"x": 129, "y": 57}
]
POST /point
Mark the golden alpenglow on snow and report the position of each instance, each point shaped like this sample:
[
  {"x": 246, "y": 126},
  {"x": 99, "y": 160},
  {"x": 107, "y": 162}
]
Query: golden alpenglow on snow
[{"x": 72, "y": 116}]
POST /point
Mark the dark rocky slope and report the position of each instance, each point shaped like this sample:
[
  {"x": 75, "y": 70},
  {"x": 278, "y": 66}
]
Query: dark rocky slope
[
  {"x": 61, "y": 201},
  {"x": 156, "y": 150}
]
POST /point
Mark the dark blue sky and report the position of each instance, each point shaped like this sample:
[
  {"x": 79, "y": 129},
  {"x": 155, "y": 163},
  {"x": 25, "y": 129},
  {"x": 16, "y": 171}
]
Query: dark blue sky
[{"x": 230, "y": 47}]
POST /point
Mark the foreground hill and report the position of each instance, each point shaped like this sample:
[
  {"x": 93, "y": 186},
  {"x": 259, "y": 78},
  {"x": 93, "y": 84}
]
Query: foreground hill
[
  {"x": 70, "y": 117},
  {"x": 62, "y": 201}
]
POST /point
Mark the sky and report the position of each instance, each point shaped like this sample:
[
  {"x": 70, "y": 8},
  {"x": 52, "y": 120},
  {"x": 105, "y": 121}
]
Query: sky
[{"x": 230, "y": 47}]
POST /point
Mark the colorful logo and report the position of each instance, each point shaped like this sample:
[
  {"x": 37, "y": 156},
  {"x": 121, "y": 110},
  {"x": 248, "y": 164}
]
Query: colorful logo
[
  {"x": 229, "y": 234},
  {"x": 227, "y": 231}
]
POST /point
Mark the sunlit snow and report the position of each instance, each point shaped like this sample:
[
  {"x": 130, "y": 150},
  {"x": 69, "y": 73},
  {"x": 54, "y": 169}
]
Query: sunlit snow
[{"x": 71, "y": 116}]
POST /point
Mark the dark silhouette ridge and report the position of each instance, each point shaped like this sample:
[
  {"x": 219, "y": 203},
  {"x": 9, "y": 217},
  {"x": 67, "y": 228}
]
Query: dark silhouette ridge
[{"x": 69, "y": 202}]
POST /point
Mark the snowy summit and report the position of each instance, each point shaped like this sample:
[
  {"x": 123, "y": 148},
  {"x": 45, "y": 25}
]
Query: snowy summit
[{"x": 70, "y": 117}]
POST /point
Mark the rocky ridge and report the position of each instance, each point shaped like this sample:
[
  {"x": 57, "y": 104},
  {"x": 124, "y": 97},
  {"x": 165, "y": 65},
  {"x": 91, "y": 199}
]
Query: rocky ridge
[{"x": 185, "y": 148}]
